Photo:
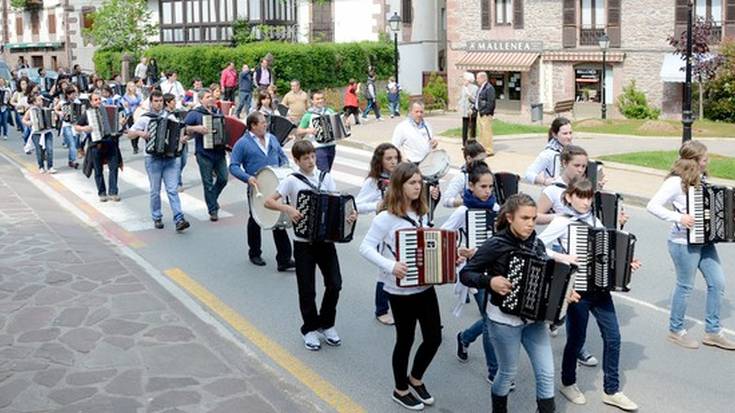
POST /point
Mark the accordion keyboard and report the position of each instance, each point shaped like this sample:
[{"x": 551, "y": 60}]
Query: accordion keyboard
[
  {"x": 578, "y": 246},
  {"x": 695, "y": 204},
  {"x": 409, "y": 255}
]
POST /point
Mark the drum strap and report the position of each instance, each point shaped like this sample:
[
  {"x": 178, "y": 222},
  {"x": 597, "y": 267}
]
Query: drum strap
[{"x": 560, "y": 185}]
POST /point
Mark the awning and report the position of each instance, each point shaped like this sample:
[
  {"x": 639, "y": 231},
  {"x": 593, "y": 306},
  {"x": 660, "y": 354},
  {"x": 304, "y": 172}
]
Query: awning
[
  {"x": 584, "y": 56},
  {"x": 672, "y": 69},
  {"x": 34, "y": 45},
  {"x": 497, "y": 61}
]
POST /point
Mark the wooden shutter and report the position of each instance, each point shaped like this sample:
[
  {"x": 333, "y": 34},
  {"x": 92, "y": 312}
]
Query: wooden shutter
[
  {"x": 729, "y": 18},
  {"x": 485, "y": 14},
  {"x": 406, "y": 11},
  {"x": 19, "y": 26},
  {"x": 518, "y": 14},
  {"x": 680, "y": 26},
  {"x": 35, "y": 22},
  {"x": 613, "y": 22},
  {"x": 52, "y": 24},
  {"x": 569, "y": 30}
]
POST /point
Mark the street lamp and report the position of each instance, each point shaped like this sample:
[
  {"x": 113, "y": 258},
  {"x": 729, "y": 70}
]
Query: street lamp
[
  {"x": 395, "y": 26},
  {"x": 686, "y": 106},
  {"x": 604, "y": 43}
]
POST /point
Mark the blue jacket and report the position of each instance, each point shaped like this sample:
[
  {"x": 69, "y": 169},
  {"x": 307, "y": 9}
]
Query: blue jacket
[
  {"x": 247, "y": 158},
  {"x": 246, "y": 81}
]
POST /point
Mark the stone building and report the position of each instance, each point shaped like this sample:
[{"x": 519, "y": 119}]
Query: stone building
[
  {"x": 48, "y": 33},
  {"x": 547, "y": 51}
]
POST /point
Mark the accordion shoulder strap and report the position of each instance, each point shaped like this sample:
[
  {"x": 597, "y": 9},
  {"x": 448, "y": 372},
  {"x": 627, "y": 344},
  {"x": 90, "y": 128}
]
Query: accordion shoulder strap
[
  {"x": 413, "y": 222},
  {"x": 305, "y": 180},
  {"x": 560, "y": 185}
]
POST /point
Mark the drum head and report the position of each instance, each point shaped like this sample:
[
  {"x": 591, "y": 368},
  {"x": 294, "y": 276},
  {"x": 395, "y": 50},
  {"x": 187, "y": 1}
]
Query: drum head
[
  {"x": 435, "y": 165},
  {"x": 268, "y": 180}
]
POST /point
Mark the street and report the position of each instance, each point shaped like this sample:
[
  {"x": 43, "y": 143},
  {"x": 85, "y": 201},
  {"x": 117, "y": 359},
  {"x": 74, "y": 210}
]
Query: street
[{"x": 657, "y": 375}]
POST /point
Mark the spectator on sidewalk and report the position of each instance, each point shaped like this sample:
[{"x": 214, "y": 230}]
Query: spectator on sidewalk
[
  {"x": 296, "y": 100},
  {"x": 371, "y": 94},
  {"x": 228, "y": 81},
  {"x": 466, "y": 107},
  {"x": 413, "y": 136},
  {"x": 394, "y": 97},
  {"x": 174, "y": 87},
  {"x": 152, "y": 73},
  {"x": 485, "y": 107},
  {"x": 245, "y": 83},
  {"x": 141, "y": 68},
  {"x": 352, "y": 102},
  {"x": 191, "y": 99},
  {"x": 264, "y": 75}
]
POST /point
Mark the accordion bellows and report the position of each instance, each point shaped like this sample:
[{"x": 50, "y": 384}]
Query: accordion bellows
[
  {"x": 713, "y": 209},
  {"x": 429, "y": 253},
  {"x": 325, "y": 216}
]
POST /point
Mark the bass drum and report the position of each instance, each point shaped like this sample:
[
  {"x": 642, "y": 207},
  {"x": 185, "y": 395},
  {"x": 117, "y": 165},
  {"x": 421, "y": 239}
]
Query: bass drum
[
  {"x": 268, "y": 179},
  {"x": 435, "y": 165}
]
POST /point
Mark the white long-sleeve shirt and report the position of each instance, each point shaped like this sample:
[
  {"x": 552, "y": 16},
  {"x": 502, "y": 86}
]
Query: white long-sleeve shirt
[
  {"x": 379, "y": 245},
  {"x": 554, "y": 193},
  {"x": 414, "y": 141},
  {"x": 547, "y": 162},
  {"x": 671, "y": 193},
  {"x": 455, "y": 189},
  {"x": 369, "y": 196}
]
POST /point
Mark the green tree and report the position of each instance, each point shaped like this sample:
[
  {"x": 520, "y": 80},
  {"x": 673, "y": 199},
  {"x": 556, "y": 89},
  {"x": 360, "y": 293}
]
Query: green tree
[
  {"x": 122, "y": 25},
  {"x": 719, "y": 100}
]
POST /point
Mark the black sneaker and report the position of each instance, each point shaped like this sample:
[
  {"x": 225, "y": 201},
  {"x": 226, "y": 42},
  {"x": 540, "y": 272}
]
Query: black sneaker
[
  {"x": 408, "y": 401},
  {"x": 422, "y": 393},
  {"x": 158, "y": 224},
  {"x": 461, "y": 349},
  {"x": 290, "y": 265},
  {"x": 213, "y": 216},
  {"x": 182, "y": 224},
  {"x": 257, "y": 261}
]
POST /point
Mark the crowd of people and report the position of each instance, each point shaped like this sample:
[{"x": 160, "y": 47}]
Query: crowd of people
[{"x": 395, "y": 190}]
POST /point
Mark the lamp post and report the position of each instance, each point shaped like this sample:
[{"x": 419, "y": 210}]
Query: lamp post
[
  {"x": 395, "y": 26},
  {"x": 604, "y": 43},
  {"x": 686, "y": 107}
]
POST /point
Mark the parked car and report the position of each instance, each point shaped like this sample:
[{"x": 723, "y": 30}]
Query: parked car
[{"x": 5, "y": 74}]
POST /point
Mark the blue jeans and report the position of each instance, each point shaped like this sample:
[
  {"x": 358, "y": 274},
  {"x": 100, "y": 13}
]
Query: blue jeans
[
  {"x": 372, "y": 104},
  {"x": 4, "y": 122},
  {"x": 70, "y": 138},
  {"x": 244, "y": 103},
  {"x": 393, "y": 108},
  {"x": 48, "y": 151},
  {"x": 480, "y": 328},
  {"x": 26, "y": 133},
  {"x": 535, "y": 339},
  {"x": 208, "y": 169},
  {"x": 382, "y": 304},
  {"x": 18, "y": 124},
  {"x": 687, "y": 259},
  {"x": 182, "y": 163},
  {"x": 601, "y": 306},
  {"x": 325, "y": 157},
  {"x": 166, "y": 169}
]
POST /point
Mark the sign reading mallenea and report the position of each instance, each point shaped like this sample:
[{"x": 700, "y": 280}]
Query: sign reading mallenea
[{"x": 504, "y": 46}]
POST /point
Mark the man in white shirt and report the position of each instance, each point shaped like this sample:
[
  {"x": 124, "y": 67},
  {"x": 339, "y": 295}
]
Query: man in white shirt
[
  {"x": 174, "y": 87},
  {"x": 141, "y": 68},
  {"x": 413, "y": 137}
]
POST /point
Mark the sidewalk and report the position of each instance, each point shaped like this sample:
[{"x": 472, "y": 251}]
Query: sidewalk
[
  {"x": 83, "y": 328},
  {"x": 514, "y": 153}
]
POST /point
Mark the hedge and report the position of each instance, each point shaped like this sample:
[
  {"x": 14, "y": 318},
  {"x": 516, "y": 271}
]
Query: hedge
[{"x": 317, "y": 66}]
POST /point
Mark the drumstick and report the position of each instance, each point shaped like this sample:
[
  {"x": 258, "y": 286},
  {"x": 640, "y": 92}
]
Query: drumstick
[{"x": 258, "y": 194}]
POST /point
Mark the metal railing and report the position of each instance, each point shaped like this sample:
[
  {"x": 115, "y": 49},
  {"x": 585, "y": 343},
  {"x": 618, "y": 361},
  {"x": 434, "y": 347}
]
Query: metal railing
[{"x": 590, "y": 37}]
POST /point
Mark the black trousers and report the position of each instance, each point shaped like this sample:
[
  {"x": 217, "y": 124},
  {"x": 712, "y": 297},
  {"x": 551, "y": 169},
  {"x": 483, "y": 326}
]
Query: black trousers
[
  {"x": 229, "y": 93},
  {"x": 407, "y": 310},
  {"x": 280, "y": 237},
  {"x": 469, "y": 128},
  {"x": 309, "y": 255},
  {"x": 354, "y": 111}
]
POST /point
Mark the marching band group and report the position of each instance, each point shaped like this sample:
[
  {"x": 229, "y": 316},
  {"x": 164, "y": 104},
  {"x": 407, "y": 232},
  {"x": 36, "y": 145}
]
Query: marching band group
[{"x": 402, "y": 189}]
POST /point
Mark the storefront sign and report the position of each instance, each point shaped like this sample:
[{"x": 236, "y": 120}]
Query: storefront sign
[{"x": 504, "y": 46}]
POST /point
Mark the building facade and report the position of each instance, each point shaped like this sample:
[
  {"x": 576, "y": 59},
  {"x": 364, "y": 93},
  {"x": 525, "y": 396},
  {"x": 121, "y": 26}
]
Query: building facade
[
  {"x": 547, "y": 51},
  {"x": 48, "y": 33}
]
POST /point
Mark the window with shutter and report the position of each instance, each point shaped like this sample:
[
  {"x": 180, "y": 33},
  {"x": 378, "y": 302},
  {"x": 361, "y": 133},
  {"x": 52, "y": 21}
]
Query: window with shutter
[
  {"x": 407, "y": 11},
  {"x": 35, "y": 22},
  {"x": 485, "y": 14},
  {"x": 569, "y": 28},
  {"x": 730, "y": 18},
  {"x": 613, "y": 22},
  {"x": 19, "y": 26},
  {"x": 52, "y": 24},
  {"x": 518, "y": 14}
]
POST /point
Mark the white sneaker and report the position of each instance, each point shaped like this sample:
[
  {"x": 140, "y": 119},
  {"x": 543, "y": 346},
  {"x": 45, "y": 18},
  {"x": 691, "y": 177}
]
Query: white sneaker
[
  {"x": 5, "y": 137},
  {"x": 311, "y": 341},
  {"x": 620, "y": 401},
  {"x": 41, "y": 170},
  {"x": 51, "y": 170},
  {"x": 573, "y": 394},
  {"x": 331, "y": 337},
  {"x": 588, "y": 360}
]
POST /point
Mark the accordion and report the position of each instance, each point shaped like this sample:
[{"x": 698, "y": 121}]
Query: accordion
[
  {"x": 329, "y": 128},
  {"x": 479, "y": 225},
  {"x": 594, "y": 173},
  {"x": 42, "y": 119},
  {"x": 606, "y": 208},
  {"x": 280, "y": 127},
  {"x": 216, "y": 137},
  {"x": 506, "y": 184},
  {"x": 713, "y": 209},
  {"x": 603, "y": 257},
  {"x": 104, "y": 122},
  {"x": 165, "y": 137},
  {"x": 325, "y": 216},
  {"x": 539, "y": 287},
  {"x": 82, "y": 82},
  {"x": 430, "y": 254}
]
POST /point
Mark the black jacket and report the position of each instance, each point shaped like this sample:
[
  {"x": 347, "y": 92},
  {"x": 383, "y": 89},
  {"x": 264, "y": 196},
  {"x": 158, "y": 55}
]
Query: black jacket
[
  {"x": 486, "y": 100},
  {"x": 491, "y": 259}
]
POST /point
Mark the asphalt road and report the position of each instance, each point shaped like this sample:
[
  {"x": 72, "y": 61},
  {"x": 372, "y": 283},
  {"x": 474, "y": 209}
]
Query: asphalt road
[{"x": 659, "y": 376}]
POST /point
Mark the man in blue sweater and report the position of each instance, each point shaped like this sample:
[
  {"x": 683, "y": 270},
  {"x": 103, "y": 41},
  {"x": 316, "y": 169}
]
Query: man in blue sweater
[
  {"x": 246, "y": 87},
  {"x": 253, "y": 151}
]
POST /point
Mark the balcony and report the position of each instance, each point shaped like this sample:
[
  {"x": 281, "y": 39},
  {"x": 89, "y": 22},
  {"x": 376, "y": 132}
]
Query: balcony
[
  {"x": 716, "y": 35},
  {"x": 590, "y": 37},
  {"x": 26, "y": 4}
]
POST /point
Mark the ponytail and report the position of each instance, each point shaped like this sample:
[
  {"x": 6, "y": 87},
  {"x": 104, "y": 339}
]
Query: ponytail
[{"x": 510, "y": 207}]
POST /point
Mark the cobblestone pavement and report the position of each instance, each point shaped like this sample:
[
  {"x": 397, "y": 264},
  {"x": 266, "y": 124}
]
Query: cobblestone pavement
[{"x": 84, "y": 329}]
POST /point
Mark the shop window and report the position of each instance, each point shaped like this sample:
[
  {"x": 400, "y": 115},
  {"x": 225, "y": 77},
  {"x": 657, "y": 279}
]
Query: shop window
[
  {"x": 588, "y": 84},
  {"x": 514, "y": 86},
  {"x": 503, "y": 12},
  {"x": 507, "y": 85}
]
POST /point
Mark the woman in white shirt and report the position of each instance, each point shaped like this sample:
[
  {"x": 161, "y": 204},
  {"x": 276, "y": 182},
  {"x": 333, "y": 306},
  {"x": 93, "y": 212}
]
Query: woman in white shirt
[
  {"x": 473, "y": 151},
  {"x": 370, "y": 199},
  {"x": 546, "y": 167},
  {"x": 690, "y": 170}
]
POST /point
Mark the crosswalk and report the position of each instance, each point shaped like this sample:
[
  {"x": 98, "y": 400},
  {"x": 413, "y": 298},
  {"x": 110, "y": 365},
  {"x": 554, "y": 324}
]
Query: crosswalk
[{"x": 351, "y": 166}]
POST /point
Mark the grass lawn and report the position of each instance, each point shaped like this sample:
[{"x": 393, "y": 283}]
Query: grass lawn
[
  {"x": 501, "y": 128},
  {"x": 719, "y": 166},
  {"x": 702, "y": 128}
]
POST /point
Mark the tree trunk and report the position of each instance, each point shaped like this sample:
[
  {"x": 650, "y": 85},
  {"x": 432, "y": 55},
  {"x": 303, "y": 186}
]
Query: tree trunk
[{"x": 701, "y": 99}]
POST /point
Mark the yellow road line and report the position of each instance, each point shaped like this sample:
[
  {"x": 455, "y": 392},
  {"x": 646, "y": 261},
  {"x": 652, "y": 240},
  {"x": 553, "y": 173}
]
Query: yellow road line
[{"x": 324, "y": 389}]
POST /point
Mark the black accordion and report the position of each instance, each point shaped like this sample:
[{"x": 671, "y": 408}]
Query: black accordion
[
  {"x": 42, "y": 119},
  {"x": 506, "y": 184},
  {"x": 713, "y": 209},
  {"x": 329, "y": 128},
  {"x": 216, "y": 137},
  {"x": 479, "y": 224},
  {"x": 280, "y": 127},
  {"x": 606, "y": 208},
  {"x": 82, "y": 82},
  {"x": 104, "y": 121},
  {"x": 325, "y": 216},
  {"x": 594, "y": 173},
  {"x": 165, "y": 137},
  {"x": 539, "y": 287},
  {"x": 603, "y": 258}
]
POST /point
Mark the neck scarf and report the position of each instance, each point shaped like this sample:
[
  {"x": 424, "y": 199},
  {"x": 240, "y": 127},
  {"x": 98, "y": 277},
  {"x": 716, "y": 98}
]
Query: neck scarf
[{"x": 473, "y": 202}]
